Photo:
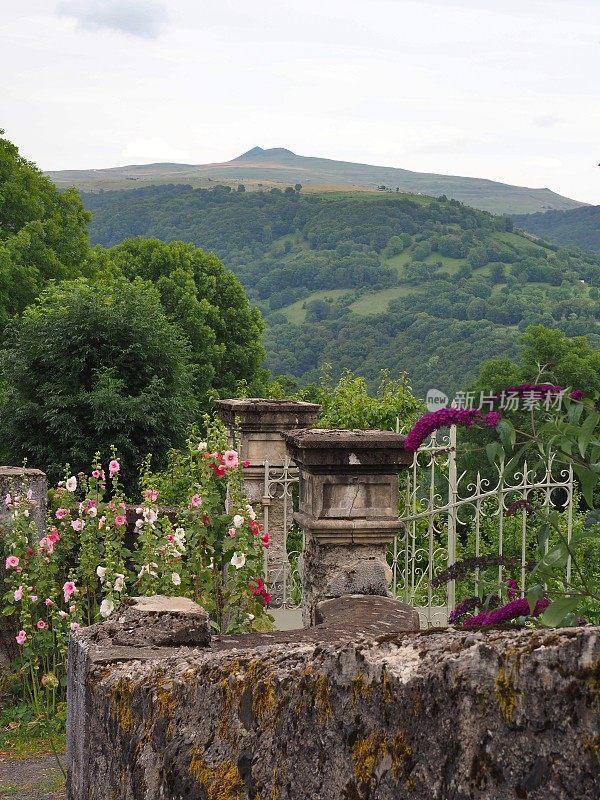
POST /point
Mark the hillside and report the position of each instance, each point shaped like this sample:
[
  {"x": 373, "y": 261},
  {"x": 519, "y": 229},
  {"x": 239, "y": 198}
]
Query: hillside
[
  {"x": 578, "y": 226},
  {"x": 278, "y": 167},
  {"x": 371, "y": 280}
]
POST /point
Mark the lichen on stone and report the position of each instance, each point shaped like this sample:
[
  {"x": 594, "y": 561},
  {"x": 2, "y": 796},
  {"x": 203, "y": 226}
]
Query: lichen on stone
[
  {"x": 507, "y": 694},
  {"x": 367, "y": 754},
  {"x": 220, "y": 782},
  {"x": 119, "y": 697},
  {"x": 360, "y": 689}
]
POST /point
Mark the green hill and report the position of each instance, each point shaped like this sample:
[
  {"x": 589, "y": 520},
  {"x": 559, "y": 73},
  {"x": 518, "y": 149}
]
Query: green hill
[
  {"x": 579, "y": 226},
  {"x": 278, "y": 167},
  {"x": 371, "y": 280}
]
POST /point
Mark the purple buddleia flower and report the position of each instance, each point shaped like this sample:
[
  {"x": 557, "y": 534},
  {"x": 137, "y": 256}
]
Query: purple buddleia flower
[
  {"x": 492, "y": 418},
  {"x": 443, "y": 418},
  {"x": 577, "y": 394},
  {"x": 510, "y": 611}
]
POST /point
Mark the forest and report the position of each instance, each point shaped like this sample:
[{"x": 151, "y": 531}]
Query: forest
[
  {"x": 579, "y": 226},
  {"x": 371, "y": 280}
]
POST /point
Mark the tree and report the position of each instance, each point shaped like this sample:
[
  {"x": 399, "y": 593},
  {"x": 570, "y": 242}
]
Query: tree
[
  {"x": 43, "y": 232},
  {"x": 206, "y": 302},
  {"x": 91, "y": 365}
]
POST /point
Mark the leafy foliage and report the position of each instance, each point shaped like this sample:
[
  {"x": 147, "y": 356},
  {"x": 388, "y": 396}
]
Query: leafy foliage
[
  {"x": 94, "y": 365},
  {"x": 578, "y": 226},
  {"x": 43, "y": 232}
]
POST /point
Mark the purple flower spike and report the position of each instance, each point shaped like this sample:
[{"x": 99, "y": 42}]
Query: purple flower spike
[{"x": 492, "y": 418}]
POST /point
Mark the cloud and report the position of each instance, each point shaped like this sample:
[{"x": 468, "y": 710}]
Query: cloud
[
  {"x": 154, "y": 149},
  {"x": 143, "y": 18},
  {"x": 548, "y": 120}
]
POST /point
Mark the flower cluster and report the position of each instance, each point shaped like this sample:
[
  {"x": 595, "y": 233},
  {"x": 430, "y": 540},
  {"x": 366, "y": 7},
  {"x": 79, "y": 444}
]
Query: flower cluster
[
  {"x": 515, "y": 608},
  {"x": 444, "y": 418}
]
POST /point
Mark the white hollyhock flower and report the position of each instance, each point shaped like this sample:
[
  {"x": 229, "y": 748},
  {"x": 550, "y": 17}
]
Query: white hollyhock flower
[
  {"x": 119, "y": 582},
  {"x": 251, "y": 512},
  {"x": 101, "y": 573},
  {"x": 238, "y": 521},
  {"x": 238, "y": 560},
  {"x": 202, "y": 446},
  {"x": 175, "y": 579},
  {"x": 71, "y": 483},
  {"x": 106, "y": 607},
  {"x": 150, "y": 515}
]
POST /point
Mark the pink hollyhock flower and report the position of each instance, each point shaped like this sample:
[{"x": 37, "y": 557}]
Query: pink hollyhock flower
[
  {"x": 11, "y": 562},
  {"x": 170, "y": 538},
  {"x": 113, "y": 467},
  {"x": 21, "y": 637},
  {"x": 195, "y": 501},
  {"x": 41, "y": 625},
  {"x": 96, "y": 473},
  {"x": 71, "y": 484},
  {"x": 33, "y": 598},
  {"x": 245, "y": 463},
  {"x": 61, "y": 513},
  {"x": 68, "y": 589},
  {"x": 232, "y": 532},
  {"x": 73, "y": 626},
  {"x": 202, "y": 446},
  {"x": 18, "y": 594},
  {"x": 151, "y": 495},
  {"x": 29, "y": 494},
  {"x": 48, "y": 601},
  {"x": 8, "y": 500},
  {"x": 121, "y": 519},
  {"x": 29, "y": 552},
  {"x": 230, "y": 459},
  {"x": 265, "y": 540},
  {"x": 46, "y": 544},
  {"x": 78, "y": 525},
  {"x": 53, "y": 536},
  {"x": 62, "y": 614}
]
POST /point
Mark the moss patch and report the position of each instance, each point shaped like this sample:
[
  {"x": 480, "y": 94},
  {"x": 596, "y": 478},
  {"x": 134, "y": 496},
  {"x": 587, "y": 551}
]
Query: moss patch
[
  {"x": 506, "y": 693},
  {"x": 119, "y": 697},
  {"x": 367, "y": 754},
  {"x": 221, "y": 782}
]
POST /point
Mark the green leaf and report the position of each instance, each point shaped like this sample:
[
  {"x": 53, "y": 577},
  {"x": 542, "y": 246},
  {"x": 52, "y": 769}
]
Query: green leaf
[
  {"x": 533, "y": 595},
  {"x": 558, "y": 610},
  {"x": 586, "y": 432},
  {"x": 508, "y": 435},
  {"x": 587, "y": 480},
  {"x": 495, "y": 452}
]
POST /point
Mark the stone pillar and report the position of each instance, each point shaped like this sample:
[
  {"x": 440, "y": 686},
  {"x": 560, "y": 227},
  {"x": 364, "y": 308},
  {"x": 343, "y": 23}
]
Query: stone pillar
[
  {"x": 260, "y": 426},
  {"x": 348, "y": 510},
  {"x": 17, "y": 480}
]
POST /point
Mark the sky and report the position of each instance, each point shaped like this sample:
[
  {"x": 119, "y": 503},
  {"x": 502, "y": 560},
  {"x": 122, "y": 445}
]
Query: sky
[{"x": 500, "y": 89}]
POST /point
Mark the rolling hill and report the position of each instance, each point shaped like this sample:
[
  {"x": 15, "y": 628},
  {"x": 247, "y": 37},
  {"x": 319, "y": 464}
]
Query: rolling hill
[
  {"x": 579, "y": 226},
  {"x": 371, "y": 280},
  {"x": 278, "y": 167}
]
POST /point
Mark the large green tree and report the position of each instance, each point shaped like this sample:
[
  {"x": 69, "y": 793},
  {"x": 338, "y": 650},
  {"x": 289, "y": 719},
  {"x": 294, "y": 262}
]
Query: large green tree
[
  {"x": 43, "y": 232},
  {"x": 90, "y": 365},
  {"x": 206, "y": 302}
]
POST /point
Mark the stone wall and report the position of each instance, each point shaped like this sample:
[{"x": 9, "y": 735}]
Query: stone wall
[{"x": 335, "y": 712}]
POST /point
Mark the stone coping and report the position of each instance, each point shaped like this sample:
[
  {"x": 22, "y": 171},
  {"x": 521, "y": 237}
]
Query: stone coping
[
  {"x": 256, "y": 405},
  {"x": 18, "y": 472},
  {"x": 355, "y": 438}
]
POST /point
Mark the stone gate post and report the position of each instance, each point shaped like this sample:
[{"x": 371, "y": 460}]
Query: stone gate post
[
  {"x": 348, "y": 510},
  {"x": 260, "y": 426},
  {"x": 16, "y": 480}
]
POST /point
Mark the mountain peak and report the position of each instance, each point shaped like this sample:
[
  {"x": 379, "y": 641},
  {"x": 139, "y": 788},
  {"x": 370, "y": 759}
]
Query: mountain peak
[{"x": 259, "y": 152}]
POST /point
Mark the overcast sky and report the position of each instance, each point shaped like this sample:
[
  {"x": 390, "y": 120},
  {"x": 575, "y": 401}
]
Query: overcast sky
[{"x": 502, "y": 89}]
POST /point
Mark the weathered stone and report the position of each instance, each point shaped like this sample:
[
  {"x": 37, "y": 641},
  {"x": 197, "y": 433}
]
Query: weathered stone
[
  {"x": 348, "y": 510},
  {"x": 260, "y": 425},
  {"x": 157, "y": 621},
  {"x": 16, "y": 480},
  {"x": 447, "y": 715}
]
